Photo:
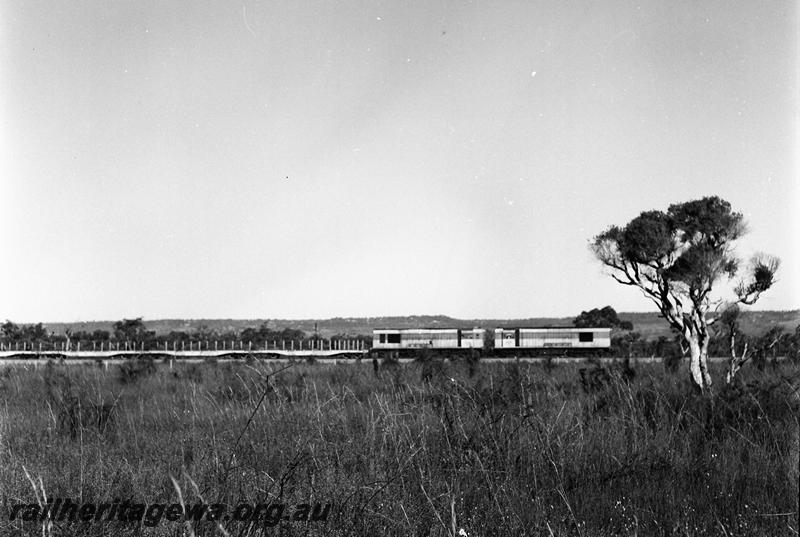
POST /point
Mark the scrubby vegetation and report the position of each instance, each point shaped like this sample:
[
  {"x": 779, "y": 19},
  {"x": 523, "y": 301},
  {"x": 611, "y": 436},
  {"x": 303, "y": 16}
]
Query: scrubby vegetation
[{"x": 429, "y": 448}]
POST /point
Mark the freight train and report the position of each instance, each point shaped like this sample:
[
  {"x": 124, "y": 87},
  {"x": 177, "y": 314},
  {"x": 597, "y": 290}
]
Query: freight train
[{"x": 538, "y": 341}]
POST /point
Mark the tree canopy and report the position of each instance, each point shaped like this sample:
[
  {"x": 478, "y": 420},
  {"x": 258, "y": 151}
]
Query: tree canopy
[
  {"x": 130, "y": 329},
  {"x": 601, "y": 318}
]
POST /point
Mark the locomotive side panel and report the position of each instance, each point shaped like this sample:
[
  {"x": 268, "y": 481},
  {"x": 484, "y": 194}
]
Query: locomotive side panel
[
  {"x": 553, "y": 339},
  {"x": 430, "y": 338},
  {"x": 427, "y": 338}
]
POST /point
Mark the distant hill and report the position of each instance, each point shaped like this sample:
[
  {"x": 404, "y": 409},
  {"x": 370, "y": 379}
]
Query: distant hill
[{"x": 649, "y": 324}]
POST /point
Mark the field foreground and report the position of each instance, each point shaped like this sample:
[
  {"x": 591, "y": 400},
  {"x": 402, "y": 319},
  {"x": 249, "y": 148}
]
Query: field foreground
[{"x": 418, "y": 449}]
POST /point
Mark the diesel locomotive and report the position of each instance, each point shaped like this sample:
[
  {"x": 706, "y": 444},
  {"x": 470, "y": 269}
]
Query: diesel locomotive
[{"x": 535, "y": 341}]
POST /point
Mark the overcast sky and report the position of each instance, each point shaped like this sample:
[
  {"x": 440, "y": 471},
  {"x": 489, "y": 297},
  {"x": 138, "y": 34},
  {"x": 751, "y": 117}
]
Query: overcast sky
[{"x": 294, "y": 159}]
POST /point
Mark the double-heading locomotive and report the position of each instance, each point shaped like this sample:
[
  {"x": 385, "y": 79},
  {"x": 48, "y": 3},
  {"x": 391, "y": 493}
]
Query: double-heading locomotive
[{"x": 562, "y": 341}]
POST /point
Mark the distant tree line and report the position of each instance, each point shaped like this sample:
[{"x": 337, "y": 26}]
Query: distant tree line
[
  {"x": 771, "y": 344},
  {"x": 11, "y": 332},
  {"x": 726, "y": 340}
]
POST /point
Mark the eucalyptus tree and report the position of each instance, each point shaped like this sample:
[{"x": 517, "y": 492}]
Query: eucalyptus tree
[{"x": 676, "y": 258}]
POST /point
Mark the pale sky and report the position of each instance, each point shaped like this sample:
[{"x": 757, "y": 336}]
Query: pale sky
[{"x": 292, "y": 159}]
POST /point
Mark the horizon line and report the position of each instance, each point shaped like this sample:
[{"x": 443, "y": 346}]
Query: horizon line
[{"x": 245, "y": 319}]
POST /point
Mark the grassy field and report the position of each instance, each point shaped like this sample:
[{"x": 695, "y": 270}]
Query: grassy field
[{"x": 422, "y": 449}]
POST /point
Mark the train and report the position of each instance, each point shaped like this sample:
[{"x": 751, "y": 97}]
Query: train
[{"x": 516, "y": 341}]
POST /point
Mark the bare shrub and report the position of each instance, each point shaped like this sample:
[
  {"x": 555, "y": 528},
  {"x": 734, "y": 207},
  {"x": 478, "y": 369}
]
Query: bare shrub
[
  {"x": 76, "y": 408},
  {"x": 135, "y": 369}
]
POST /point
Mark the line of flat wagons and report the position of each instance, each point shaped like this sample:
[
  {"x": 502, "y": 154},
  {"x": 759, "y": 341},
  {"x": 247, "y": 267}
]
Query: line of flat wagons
[{"x": 532, "y": 341}]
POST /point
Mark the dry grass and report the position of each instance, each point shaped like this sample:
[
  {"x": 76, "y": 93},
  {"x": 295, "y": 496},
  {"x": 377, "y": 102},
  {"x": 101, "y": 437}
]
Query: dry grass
[{"x": 501, "y": 450}]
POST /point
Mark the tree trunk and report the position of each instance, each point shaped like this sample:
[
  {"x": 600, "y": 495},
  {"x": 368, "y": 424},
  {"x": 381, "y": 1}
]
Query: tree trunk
[
  {"x": 698, "y": 365},
  {"x": 704, "y": 340},
  {"x": 736, "y": 362},
  {"x": 733, "y": 367}
]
